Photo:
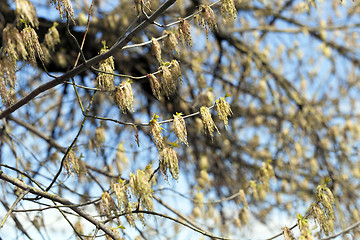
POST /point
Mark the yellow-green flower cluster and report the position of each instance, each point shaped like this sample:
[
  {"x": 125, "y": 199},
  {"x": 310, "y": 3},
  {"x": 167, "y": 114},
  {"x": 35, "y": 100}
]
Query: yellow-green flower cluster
[
  {"x": 71, "y": 163},
  {"x": 141, "y": 188},
  {"x": 156, "y": 49},
  {"x": 169, "y": 161},
  {"x": 155, "y": 86},
  {"x": 184, "y": 33},
  {"x": 52, "y": 37},
  {"x": 124, "y": 97},
  {"x": 304, "y": 228},
  {"x": 156, "y": 131},
  {"x": 64, "y": 6},
  {"x": 206, "y": 19},
  {"x": 224, "y": 110},
  {"x": 208, "y": 121},
  {"x": 228, "y": 9},
  {"x": 122, "y": 195},
  {"x": 27, "y": 12},
  {"x": 180, "y": 128},
  {"x": 105, "y": 78},
  {"x": 32, "y": 44},
  {"x": 171, "y": 42},
  {"x": 107, "y": 204},
  {"x": 324, "y": 211}
]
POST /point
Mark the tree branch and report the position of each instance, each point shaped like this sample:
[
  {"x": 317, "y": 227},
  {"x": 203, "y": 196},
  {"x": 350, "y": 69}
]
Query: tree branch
[
  {"x": 116, "y": 47},
  {"x": 58, "y": 199}
]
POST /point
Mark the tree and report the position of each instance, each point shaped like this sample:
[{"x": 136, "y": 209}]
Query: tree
[{"x": 206, "y": 115}]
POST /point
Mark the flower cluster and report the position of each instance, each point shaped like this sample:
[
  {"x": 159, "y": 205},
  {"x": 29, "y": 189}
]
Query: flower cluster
[
  {"x": 288, "y": 235},
  {"x": 99, "y": 136},
  {"x": 141, "y": 188},
  {"x": 52, "y": 37},
  {"x": 168, "y": 160},
  {"x": 64, "y": 6},
  {"x": 107, "y": 204},
  {"x": 124, "y": 97},
  {"x": 180, "y": 128},
  {"x": 122, "y": 195},
  {"x": 304, "y": 228},
  {"x": 184, "y": 33},
  {"x": 156, "y": 131},
  {"x": 223, "y": 109},
  {"x": 32, "y": 44},
  {"x": 105, "y": 78},
  {"x": 26, "y": 11},
  {"x": 324, "y": 212},
  {"x": 171, "y": 42},
  {"x": 156, "y": 49},
  {"x": 155, "y": 86},
  {"x": 208, "y": 121},
  {"x": 71, "y": 163},
  {"x": 228, "y": 9},
  {"x": 206, "y": 19}
]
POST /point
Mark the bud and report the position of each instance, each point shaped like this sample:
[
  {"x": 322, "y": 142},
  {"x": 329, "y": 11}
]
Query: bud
[
  {"x": 155, "y": 86},
  {"x": 224, "y": 110},
  {"x": 208, "y": 121},
  {"x": 180, "y": 128},
  {"x": 156, "y": 50},
  {"x": 124, "y": 97}
]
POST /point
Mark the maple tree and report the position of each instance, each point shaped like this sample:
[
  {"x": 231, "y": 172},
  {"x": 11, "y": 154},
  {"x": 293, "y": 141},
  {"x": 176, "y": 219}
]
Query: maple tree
[{"x": 215, "y": 116}]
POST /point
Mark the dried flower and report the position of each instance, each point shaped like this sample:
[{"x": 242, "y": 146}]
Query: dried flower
[
  {"x": 52, "y": 37},
  {"x": 32, "y": 44},
  {"x": 228, "y": 9},
  {"x": 155, "y": 86},
  {"x": 184, "y": 33},
  {"x": 180, "y": 128},
  {"x": 156, "y": 132},
  {"x": 105, "y": 78},
  {"x": 156, "y": 49},
  {"x": 26, "y": 11},
  {"x": 124, "y": 97},
  {"x": 64, "y": 6},
  {"x": 171, "y": 42},
  {"x": 169, "y": 161},
  {"x": 224, "y": 110},
  {"x": 206, "y": 19},
  {"x": 208, "y": 121}
]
